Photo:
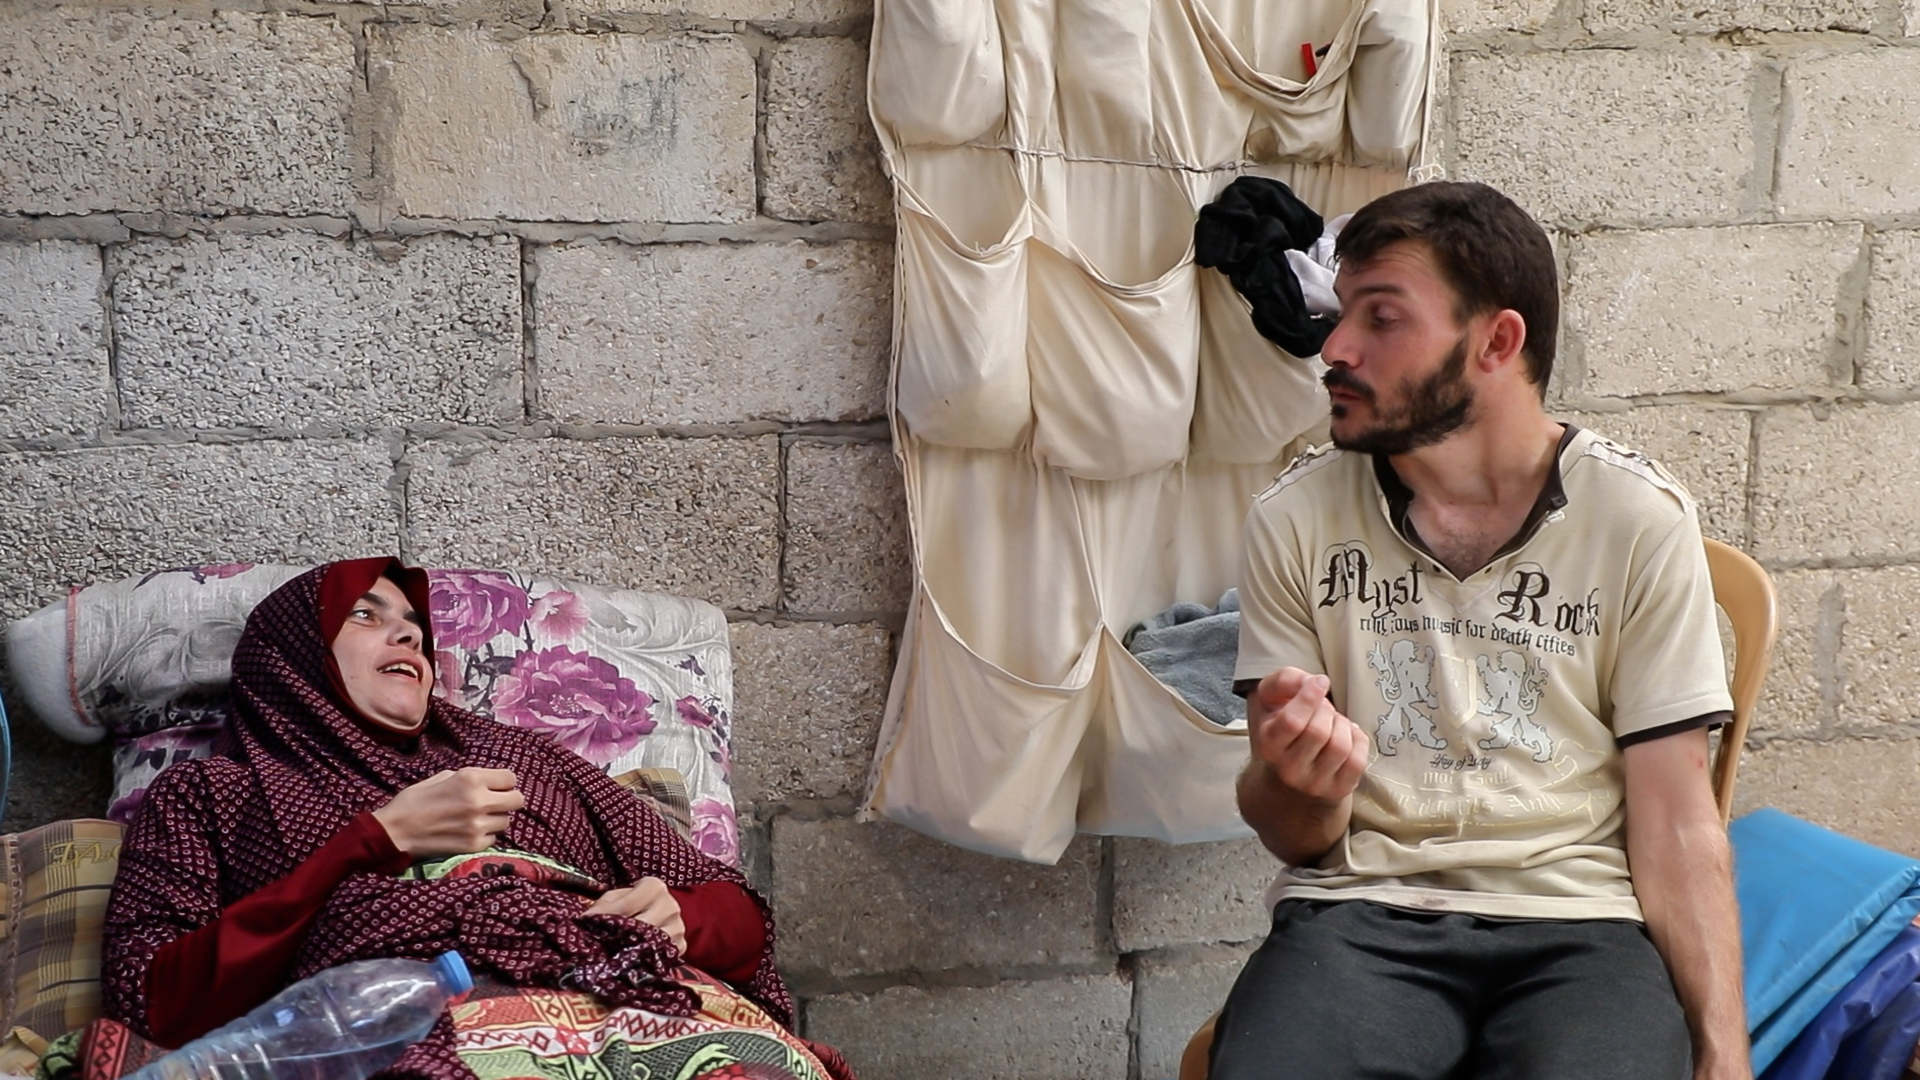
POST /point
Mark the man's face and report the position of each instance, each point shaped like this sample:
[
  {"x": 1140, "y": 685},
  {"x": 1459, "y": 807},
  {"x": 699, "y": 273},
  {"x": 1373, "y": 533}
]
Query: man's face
[{"x": 1397, "y": 361}]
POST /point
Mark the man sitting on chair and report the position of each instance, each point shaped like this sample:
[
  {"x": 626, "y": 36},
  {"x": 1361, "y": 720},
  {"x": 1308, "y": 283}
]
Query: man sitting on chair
[{"x": 1481, "y": 661}]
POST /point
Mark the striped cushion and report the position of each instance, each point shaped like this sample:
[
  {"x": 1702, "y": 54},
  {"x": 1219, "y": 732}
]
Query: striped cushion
[
  {"x": 666, "y": 791},
  {"x": 53, "y": 904}
]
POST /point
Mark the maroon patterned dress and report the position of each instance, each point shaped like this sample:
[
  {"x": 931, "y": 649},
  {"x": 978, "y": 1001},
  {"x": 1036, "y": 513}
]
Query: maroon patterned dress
[{"x": 295, "y": 770}]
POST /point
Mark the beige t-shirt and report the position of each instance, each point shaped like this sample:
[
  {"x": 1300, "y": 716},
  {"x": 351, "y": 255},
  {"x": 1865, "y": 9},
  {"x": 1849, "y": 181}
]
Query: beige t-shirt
[{"x": 1493, "y": 703}]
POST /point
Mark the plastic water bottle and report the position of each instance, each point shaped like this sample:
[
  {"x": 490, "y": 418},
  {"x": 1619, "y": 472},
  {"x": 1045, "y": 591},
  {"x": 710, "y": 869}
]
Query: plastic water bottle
[{"x": 346, "y": 1023}]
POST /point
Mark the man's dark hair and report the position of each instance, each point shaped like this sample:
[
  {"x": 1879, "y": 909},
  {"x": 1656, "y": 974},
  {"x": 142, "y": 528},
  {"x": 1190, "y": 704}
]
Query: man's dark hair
[{"x": 1488, "y": 249}]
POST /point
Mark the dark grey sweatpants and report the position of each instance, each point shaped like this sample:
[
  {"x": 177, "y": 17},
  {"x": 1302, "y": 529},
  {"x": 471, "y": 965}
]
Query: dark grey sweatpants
[{"x": 1360, "y": 991}]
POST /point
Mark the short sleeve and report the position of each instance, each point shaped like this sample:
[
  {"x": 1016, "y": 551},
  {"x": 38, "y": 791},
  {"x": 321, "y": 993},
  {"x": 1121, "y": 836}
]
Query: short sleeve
[
  {"x": 1669, "y": 666},
  {"x": 1276, "y": 616}
]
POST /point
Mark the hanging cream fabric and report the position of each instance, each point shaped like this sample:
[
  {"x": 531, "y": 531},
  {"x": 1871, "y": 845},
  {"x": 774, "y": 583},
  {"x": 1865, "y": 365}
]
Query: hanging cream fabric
[{"x": 1081, "y": 414}]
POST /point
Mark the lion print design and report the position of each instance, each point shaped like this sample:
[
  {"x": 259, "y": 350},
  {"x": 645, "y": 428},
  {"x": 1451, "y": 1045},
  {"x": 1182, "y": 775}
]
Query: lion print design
[
  {"x": 1406, "y": 682},
  {"x": 1510, "y": 689}
]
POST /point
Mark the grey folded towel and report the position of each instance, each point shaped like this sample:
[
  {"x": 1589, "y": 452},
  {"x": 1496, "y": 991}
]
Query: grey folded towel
[{"x": 1192, "y": 648}]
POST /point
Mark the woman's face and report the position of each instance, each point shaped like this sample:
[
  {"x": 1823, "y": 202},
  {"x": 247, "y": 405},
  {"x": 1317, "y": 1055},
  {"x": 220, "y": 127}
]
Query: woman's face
[{"x": 385, "y": 674}]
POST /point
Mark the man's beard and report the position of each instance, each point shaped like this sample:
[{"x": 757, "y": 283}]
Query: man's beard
[{"x": 1435, "y": 407}]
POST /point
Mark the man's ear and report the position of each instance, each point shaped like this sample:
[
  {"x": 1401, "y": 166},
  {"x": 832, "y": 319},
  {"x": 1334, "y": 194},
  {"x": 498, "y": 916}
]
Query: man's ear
[{"x": 1506, "y": 334}]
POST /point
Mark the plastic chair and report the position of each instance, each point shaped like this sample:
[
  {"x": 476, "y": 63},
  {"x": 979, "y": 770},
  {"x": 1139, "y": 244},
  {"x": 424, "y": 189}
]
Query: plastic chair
[{"x": 1743, "y": 590}]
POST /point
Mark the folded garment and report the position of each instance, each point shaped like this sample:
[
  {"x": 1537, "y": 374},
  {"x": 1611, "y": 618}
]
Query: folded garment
[
  {"x": 1816, "y": 907},
  {"x": 1247, "y": 233},
  {"x": 1192, "y": 648},
  {"x": 1316, "y": 267}
]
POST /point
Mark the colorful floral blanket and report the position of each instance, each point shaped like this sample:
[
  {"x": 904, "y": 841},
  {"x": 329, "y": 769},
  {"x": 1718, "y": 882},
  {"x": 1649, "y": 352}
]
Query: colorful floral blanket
[
  {"x": 505, "y": 1033},
  {"x": 511, "y": 1033},
  {"x": 502, "y": 1033}
]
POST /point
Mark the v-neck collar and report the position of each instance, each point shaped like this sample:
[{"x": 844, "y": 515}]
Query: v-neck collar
[{"x": 1553, "y": 496}]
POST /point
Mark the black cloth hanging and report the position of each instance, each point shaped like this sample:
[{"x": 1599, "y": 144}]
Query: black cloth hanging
[{"x": 1246, "y": 234}]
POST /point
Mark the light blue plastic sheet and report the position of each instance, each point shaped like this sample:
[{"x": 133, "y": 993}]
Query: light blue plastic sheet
[{"x": 1815, "y": 908}]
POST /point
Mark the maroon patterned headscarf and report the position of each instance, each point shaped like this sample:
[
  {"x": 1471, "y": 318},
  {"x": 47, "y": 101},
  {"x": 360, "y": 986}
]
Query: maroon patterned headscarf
[
  {"x": 294, "y": 769},
  {"x": 342, "y": 584}
]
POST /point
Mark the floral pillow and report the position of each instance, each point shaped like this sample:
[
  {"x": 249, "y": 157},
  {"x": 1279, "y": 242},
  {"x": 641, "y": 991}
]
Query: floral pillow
[{"x": 625, "y": 679}]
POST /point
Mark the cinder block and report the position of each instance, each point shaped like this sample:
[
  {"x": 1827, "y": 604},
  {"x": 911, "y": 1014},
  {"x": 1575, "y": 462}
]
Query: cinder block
[
  {"x": 847, "y": 542},
  {"x": 298, "y": 331},
  {"x": 696, "y": 334},
  {"x": 1878, "y": 645},
  {"x": 1892, "y": 356},
  {"x": 1173, "y": 995},
  {"x": 1798, "y": 697},
  {"x": 862, "y": 899},
  {"x": 1724, "y": 16},
  {"x": 1832, "y": 484},
  {"x": 1704, "y": 448},
  {"x": 822, "y": 160},
  {"x": 761, "y": 11},
  {"x": 1861, "y": 787},
  {"x": 95, "y": 515},
  {"x": 1607, "y": 136},
  {"x": 1059, "y": 1029},
  {"x": 807, "y": 699},
  {"x": 228, "y": 112},
  {"x": 53, "y": 340},
  {"x": 568, "y": 127},
  {"x": 1489, "y": 16},
  {"x": 1175, "y": 894},
  {"x": 698, "y": 517},
  {"x": 1639, "y": 303},
  {"x": 1836, "y": 159}
]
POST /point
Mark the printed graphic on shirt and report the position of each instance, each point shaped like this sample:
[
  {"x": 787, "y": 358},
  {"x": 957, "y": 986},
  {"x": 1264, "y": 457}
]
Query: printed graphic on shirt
[
  {"x": 1510, "y": 688},
  {"x": 1352, "y": 575},
  {"x": 1406, "y": 683},
  {"x": 1528, "y": 612},
  {"x": 1496, "y": 647}
]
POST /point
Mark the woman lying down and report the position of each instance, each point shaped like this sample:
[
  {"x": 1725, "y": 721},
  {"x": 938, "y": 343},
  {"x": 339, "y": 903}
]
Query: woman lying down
[{"x": 343, "y": 819}]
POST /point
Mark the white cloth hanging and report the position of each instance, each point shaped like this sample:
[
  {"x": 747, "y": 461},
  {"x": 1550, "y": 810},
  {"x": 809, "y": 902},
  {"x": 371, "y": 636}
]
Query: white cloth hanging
[
  {"x": 1315, "y": 268},
  {"x": 1083, "y": 416}
]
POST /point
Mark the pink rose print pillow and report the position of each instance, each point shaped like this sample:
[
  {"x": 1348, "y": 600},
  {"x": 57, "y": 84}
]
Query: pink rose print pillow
[{"x": 625, "y": 679}]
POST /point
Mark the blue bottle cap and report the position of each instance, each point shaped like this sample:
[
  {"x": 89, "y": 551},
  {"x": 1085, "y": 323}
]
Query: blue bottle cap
[{"x": 451, "y": 969}]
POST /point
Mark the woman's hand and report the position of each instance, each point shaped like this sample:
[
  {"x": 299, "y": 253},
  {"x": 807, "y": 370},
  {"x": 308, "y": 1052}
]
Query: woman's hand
[
  {"x": 452, "y": 812},
  {"x": 650, "y": 902}
]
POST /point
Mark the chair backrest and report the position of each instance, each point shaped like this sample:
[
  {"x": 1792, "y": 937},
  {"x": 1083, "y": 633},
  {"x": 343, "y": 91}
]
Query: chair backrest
[{"x": 1745, "y": 593}]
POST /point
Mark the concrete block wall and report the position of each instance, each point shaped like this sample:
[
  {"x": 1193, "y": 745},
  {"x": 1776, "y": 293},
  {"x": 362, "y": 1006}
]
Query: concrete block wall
[{"x": 601, "y": 288}]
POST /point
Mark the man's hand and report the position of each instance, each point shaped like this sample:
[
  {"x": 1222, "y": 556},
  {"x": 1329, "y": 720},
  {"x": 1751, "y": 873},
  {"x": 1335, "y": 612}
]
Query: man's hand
[
  {"x": 1307, "y": 760},
  {"x": 1311, "y": 749},
  {"x": 452, "y": 812},
  {"x": 649, "y": 901}
]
